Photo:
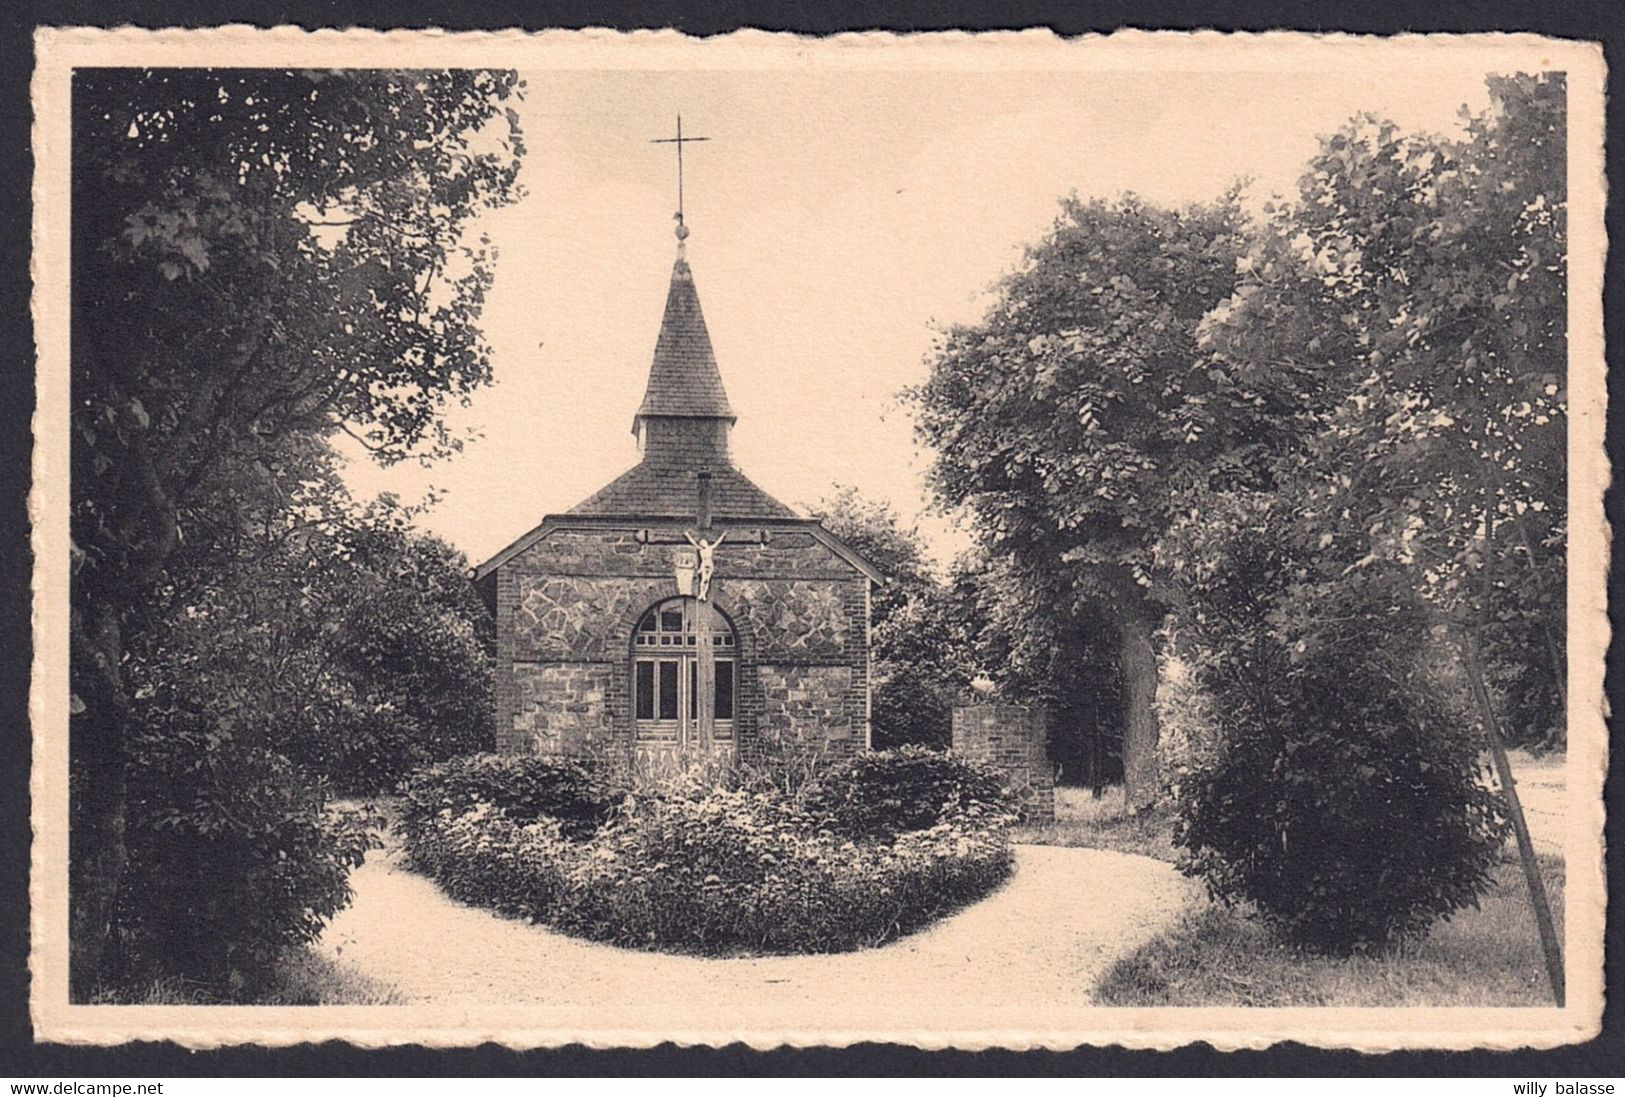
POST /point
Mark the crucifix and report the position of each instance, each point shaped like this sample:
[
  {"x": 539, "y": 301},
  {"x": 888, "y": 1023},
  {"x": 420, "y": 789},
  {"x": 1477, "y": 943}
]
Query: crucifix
[
  {"x": 679, "y": 141},
  {"x": 705, "y": 657},
  {"x": 707, "y": 565}
]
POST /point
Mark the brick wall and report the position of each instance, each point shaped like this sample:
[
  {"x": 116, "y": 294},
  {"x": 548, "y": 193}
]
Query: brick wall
[{"x": 1012, "y": 739}]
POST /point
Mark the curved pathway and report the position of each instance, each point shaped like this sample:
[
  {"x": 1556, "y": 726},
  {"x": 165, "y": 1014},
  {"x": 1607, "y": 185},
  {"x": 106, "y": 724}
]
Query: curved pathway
[{"x": 1023, "y": 959}]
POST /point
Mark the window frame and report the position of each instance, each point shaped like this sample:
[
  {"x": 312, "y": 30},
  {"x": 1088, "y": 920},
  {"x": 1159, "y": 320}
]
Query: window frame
[{"x": 654, "y": 643}]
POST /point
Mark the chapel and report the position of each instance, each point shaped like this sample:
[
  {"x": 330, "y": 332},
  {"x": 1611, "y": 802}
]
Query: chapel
[{"x": 680, "y": 612}]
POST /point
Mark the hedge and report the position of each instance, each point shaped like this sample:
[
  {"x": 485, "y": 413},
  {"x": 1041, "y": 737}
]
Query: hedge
[{"x": 687, "y": 868}]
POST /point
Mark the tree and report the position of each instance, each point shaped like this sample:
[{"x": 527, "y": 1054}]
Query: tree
[
  {"x": 874, "y": 529},
  {"x": 355, "y": 642},
  {"x": 1437, "y": 310},
  {"x": 309, "y": 645},
  {"x": 1078, "y": 417},
  {"x": 411, "y": 651},
  {"x": 918, "y": 647},
  {"x": 1436, "y": 269},
  {"x": 258, "y": 256}
]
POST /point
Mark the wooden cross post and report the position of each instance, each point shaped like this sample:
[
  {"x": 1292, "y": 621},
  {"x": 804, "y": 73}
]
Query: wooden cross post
[{"x": 705, "y": 661}]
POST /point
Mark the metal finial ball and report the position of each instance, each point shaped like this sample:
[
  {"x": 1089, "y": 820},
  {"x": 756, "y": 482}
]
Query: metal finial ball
[{"x": 682, "y": 231}]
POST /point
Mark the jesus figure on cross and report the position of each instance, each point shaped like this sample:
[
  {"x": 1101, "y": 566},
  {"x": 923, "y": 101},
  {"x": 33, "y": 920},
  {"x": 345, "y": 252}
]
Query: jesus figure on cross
[{"x": 706, "y": 549}]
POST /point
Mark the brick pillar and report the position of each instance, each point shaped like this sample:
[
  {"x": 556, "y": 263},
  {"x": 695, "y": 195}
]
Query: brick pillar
[
  {"x": 504, "y": 688},
  {"x": 1014, "y": 740}
]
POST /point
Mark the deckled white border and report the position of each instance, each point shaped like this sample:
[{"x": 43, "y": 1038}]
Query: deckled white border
[{"x": 60, "y": 50}]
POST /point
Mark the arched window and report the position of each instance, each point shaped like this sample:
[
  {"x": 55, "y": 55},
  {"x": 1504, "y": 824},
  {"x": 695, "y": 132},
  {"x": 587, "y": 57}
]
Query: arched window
[{"x": 665, "y": 672}]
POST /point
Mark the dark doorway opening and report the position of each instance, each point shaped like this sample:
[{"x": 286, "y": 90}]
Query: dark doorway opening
[{"x": 1086, "y": 734}]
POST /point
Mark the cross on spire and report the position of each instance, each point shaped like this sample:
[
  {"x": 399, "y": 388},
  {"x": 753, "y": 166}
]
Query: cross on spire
[{"x": 679, "y": 141}]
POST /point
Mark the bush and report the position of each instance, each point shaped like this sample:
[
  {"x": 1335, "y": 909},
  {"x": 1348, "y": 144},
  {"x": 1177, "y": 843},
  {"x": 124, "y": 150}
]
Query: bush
[
  {"x": 886, "y": 793},
  {"x": 522, "y": 788},
  {"x": 920, "y": 670},
  {"x": 234, "y": 855},
  {"x": 686, "y": 868},
  {"x": 1339, "y": 797},
  {"x": 361, "y": 745},
  {"x": 1347, "y": 821}
]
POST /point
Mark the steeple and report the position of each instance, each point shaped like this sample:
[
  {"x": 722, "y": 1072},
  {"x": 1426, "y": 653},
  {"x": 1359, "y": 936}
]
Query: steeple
[
  {"x": 685, "y": 415},
  {"x": 684, "y": 401},
  {"x": 682, "y": 429},
  {"x": 683, "y": 379}
]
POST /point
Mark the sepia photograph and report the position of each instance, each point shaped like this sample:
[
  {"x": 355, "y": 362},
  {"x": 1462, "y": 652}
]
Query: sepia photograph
[{"x": 962, "y": 541}]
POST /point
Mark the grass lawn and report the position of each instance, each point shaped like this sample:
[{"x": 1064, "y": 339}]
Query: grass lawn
[
  {"x": 1216, "y": 956},
  {"x": 1083, "y": 820},
  {"x": 302, "y": 978}
]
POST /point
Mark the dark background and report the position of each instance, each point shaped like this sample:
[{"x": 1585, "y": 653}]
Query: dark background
[{"x": 21, "y": 1058}]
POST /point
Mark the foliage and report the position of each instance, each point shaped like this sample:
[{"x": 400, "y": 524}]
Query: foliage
[
  {"x": 1078, "y": 416},
  {"x": 1332, "y": 443},
  {"x": 234, "y": 856},
  {"x": 1340, "y": 798},
  {"x": 1425, "y": 279},
  {"x": 1188, "y": 725},
  {"x": 687, "y": 867},
  {"x": 883, "y": 794},
  {"x": 262, "y": 259},
  {"x": 1032, "y": 654},
  {"x": 919, "y": 645},
  {"x": 921, "y": 669},
  {"x": 523, "y": 787},
  {"x": 243, "y": 666},
  {"x": 411, "y": 644},
  {"x": 1075, "y": 414},
  {"x": 358, "y": 641},
  {"x": 876, "y": 531}
]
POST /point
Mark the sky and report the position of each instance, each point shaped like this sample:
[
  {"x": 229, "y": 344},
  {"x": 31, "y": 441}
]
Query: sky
[{"x": 839, "y": 220}]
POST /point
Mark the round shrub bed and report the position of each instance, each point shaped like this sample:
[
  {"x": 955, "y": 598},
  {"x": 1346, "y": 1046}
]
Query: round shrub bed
[{"x": 681, "y": 866}]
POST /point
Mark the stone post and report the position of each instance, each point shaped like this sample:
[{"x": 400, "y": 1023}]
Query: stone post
[{"x": 1014, "y": 740}]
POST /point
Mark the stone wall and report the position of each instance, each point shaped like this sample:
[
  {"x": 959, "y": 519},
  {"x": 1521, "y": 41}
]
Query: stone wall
[
  {"x": 568, "y": 605},
  {"x": 805, "y": 620},
  {"x": 1014, "y": 740},
  {"x": 562, "y": 708},
  {"x": 580, "y": 617},
  {"x": 801, "y": 703}
]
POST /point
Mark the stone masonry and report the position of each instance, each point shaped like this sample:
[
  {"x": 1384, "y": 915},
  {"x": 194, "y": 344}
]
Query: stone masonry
[
  {"x": 568, "y": 604},
  {"x": 1014, "y": 740}
]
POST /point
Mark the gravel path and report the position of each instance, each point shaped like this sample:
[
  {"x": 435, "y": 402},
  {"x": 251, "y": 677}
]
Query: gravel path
[{"x": 1025, "y": 958}]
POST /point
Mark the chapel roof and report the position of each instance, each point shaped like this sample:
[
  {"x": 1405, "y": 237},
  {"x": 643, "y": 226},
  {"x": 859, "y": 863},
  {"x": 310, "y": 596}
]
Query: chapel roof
[
  {"x": 684, "y": 379},
  {"x": 684, "y": 384},
  {"x": 684, "y": 393},
  {"x": 660, "y": 490}
]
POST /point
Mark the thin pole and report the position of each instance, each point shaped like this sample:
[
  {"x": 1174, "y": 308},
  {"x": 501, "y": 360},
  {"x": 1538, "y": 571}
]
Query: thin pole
[
  {"x": 1503, "y": 769},
  {"x": 1520, "y": 827}
]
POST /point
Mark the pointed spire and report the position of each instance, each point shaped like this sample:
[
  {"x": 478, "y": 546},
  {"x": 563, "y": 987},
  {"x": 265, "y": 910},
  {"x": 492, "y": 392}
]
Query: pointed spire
[{"x": 684, "y": 380}]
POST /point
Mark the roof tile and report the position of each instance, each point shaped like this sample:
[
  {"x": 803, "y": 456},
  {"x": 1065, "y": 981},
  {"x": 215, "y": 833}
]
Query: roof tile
[
  {"x": 656, "y": 490},
  {"x": 684, "y": 379}
]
